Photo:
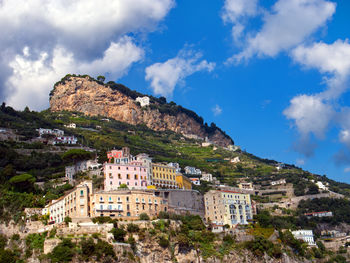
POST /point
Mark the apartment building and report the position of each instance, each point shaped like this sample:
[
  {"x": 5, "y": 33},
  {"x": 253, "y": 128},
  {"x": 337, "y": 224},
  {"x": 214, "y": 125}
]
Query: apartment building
[
  {"x": 305, "y": 235},
  {"x": 224, "y": 207},
  {"x": 133, "y": 174},
  {"x": 164, "y": 176},
  {"x": 128, "y": 204}
]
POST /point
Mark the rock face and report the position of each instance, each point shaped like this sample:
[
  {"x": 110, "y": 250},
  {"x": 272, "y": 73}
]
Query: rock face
[{"x": 86, "y": 95}]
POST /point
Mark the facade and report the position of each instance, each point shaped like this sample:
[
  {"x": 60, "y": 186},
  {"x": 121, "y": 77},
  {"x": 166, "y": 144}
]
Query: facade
[
  {"x": 183, "y": 182},
  {"x": 133, "y": 174},
  {"x": 65, "y": 140},
  {"x": 246, "y": 186},
  {"x": 227, "y": 207},
  {"x": 122, "y": 156},
  {"x": 144, "y": 101},
  {"x": 55, "y": 132},
  {"x": 192, "y": 170},
  {"x": 319, "y": 214},
  {"x": 127, "y": 204},
  {"x": 55, "y": 210},
  {"x": 164, "y": 176},
  {"x": 146, "y": 161},
  {"x": 305, "y": 235},
  {"x": 207, "y": 177},
  {"x": 278, "y": 182},
  {"x": 176, "y": 166},
  {"x": 82, "y": 166},
  {"x": 195, "y": 181}
]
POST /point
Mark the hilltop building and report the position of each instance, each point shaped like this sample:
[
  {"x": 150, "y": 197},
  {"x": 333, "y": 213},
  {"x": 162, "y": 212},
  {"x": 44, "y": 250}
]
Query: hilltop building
[
  {"x": 144, "y": 101},
  {"x": 192, "y": 170}
]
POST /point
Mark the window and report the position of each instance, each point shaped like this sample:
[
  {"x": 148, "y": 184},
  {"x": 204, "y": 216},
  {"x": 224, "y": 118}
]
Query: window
[
  {"x": 127, "y": 199},
  {"x": 127, "y": 168},
  {"x": 101, "y": 199},
  {"x": 81, "y": 192},
  {"x": 119, "y": 176},
  {"x": 128, "y": 176},
  {"x": 110, "y": 199}
]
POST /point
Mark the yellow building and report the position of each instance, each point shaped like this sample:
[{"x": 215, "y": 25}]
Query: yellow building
[
  {"x": 164, "y": 176},
  {"x": 183, "y": 182},
  {"x": 227, "y": 208}
]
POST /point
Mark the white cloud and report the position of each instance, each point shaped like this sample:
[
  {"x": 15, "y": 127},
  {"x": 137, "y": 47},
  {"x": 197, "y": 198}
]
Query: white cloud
[
  {"x": 333, "y": 61},
  {"x": 217, "y": 110},
  {"x": 237, "y": 12},
  {"x": 310, "y": 114},
  {"x": 347, "y": 169},
  {"x": 34, "y": 78},
  {"x": 165, "y": 76},
  {"x": 88, "y": 31},
  {"x": 288, "y": 24}
]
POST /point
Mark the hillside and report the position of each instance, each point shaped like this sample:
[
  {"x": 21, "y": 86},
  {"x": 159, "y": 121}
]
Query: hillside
[{"x": 94, "y": 98}]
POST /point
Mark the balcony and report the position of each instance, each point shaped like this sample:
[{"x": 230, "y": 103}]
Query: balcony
[{"x": 109, "y": 210}]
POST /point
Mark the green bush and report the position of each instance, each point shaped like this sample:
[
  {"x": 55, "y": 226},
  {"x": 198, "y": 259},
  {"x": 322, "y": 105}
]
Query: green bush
[
  {"x": 132, "y": 228},
  {"x": 118, "y": 234},
  {"x": 63, "y": 252},
  {"x": 144, "y": 216},
  {"x": 163, "y": 242}
]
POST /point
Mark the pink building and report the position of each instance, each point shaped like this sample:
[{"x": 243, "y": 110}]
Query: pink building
[{"x": 133, "y": 174}]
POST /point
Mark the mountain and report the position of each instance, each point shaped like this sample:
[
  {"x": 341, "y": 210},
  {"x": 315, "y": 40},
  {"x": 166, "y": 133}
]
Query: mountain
[{"x": 92, "y": 97}]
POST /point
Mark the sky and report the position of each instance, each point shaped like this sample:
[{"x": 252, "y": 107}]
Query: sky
[{"x": 273, "y": 74}]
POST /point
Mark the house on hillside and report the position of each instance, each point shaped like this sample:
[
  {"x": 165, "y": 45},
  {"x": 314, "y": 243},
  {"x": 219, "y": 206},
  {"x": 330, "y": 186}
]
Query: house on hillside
[
  {"x": 305, "y": 235},
  {"x": 144, "y": 101}
]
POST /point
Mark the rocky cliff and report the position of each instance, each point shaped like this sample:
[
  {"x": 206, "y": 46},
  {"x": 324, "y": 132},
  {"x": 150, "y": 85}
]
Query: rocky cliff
[{"x": 91, "y": 97}]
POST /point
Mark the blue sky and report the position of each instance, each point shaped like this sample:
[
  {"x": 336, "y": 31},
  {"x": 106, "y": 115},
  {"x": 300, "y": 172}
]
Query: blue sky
[{"x": 273, "y": 74}]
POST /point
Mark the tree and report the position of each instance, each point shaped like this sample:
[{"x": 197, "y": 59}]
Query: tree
[
  {"x": 76, "y": 155},
  {"x": 123, "y": 186},
  {"x": 23, "y": 182},
  {"x": 101, "y": 78},
  {"x": 67, "y": 220}
]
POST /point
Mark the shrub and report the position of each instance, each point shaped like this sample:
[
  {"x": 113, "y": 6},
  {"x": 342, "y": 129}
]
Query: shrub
[
  {"x": 63, "y": 252},
  {"x": 118, "y": 234},
  {"x": 67, "y": 220},
  {"x": 15, "y": 237},
  {"x": 144, "y": 216},
  {"x": 132, "y": 228},
  {"x": 163, "y": 242}
]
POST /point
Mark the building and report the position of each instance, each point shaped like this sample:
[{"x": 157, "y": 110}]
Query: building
[
  {"x": 319, "y": 214},
  {"x": 207, "y": 177},
  {"x": 192, "y": 170},
  {"x": 144, "y": 101},
  {"x": 183, "y": 182},
  {"x": 132, "y": 174},
  {"x": 71, "y": 125},
  {"x": 227, "y": 208},
  {"x": 146, "y": 161},
  {"x": 122, "y": 156},
  {"x": 127, "y": 204},
  {"x": 164, "y": 176},
  {"x": 176, "y": 166},
  {"x": 65, "y": 140},
  {"x": 81, "y": 166},
  {"x": 278, "y": 182},
  {"x": 195, "y": 181},
  {"x": 75, "y": 204},
  {"x": 246, "y": 186},
  {"x": 78, "y": 201},
  {"x": 321, "y": 186},
  {"x": 235, "y": 160},
  {"x": 55, "y": 132},
  {"x": 305, "y": 235}
]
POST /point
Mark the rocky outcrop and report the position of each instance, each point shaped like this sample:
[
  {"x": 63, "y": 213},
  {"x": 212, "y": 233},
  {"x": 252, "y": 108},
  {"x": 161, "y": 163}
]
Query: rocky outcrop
[{"x": 91, "y": 97}]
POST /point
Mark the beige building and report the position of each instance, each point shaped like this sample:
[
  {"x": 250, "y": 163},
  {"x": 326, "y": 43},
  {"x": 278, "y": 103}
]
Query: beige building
[
  {"x": 127, "y": 204},
  {"x": 224, "y": 207}
]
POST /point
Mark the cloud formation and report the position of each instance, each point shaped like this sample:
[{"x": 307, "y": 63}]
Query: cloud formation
[
  {"x": 287, "y": 24},
  {"x": 217, "y": 110},
  {"x": 315, "y": 113},
  {"x": 165, "y": 76},
  {"x": 237, "y": 12},
  {"x": 59, "y": 35}
]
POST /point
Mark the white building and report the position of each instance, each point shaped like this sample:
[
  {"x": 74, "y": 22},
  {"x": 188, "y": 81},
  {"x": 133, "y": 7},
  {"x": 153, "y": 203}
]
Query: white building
[
  {"x": 306, "y": 235},
  {"x": 71, "y": 125},
  {"x": 207, "y": 177},
  {"x": 235, "y": 160},
  {"x": 321, "y": 186},
  {"x": 82, "y": 166},
  {"x": 278, "y": 182},
  {"x": 144, "y": 101},
  {"x": 65, "y": 140},
  {"x": 55, "y": 132},
  {"x": 146, "y": 162},
  {"x": 56, "y": 210},
  {"x": 192, "y": 170}
]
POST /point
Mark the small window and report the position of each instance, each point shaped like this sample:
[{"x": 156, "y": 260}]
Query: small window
[{"x": 81, "y": 192}]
